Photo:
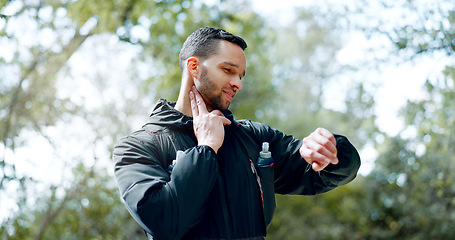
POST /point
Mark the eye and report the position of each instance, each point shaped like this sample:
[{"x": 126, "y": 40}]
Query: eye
[{"x": 228, "y": 70}]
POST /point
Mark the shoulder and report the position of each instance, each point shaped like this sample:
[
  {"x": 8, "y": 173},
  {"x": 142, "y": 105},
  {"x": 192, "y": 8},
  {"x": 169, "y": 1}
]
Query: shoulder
[
  {"x": 150, "y": 138},
  {"x": 137, "y": 141},
  {"x": 261, "y": 130},
  {"x": 149, "y": 134},
  {"x": 257, "y": 126}
]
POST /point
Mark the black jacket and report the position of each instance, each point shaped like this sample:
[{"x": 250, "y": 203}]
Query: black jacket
[{"x": 212, "y": 196}]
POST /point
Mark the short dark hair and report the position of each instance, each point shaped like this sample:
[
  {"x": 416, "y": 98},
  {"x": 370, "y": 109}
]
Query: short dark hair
[{"x": 203, "y": 43}]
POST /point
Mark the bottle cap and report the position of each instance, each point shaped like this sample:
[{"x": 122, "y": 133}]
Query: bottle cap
[{"x": 265, "y": 153}]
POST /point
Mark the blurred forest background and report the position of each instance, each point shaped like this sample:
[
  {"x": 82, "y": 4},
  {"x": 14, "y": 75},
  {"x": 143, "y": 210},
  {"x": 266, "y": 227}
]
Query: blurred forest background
[{"x": 76, "y": 75}]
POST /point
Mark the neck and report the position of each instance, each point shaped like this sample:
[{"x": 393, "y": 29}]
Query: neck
[{"x": 183, "y": 102}]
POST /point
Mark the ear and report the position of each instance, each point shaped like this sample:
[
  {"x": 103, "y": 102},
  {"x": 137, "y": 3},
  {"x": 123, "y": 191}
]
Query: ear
[{"x": 192, "y": 64}]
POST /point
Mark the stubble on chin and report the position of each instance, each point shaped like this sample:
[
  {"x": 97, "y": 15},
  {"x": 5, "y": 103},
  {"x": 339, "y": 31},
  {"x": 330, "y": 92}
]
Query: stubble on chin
[{"x": 208, "y": 90}]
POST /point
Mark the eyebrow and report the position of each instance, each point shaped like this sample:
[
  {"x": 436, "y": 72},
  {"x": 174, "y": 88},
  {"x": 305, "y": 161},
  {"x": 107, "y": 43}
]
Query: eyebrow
[{"x": 234, "y": 65}]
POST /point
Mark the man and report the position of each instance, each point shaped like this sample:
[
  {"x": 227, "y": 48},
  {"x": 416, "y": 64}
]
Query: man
[{"x": 192, "y": 171}]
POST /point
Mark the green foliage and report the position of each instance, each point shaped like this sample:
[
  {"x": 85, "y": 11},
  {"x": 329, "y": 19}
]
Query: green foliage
[
  {"x": 333, "y": 215},
  {"x": 411, "y": 188},
  {"x": 410, "y": 193},
  {"x": 93, "y": 210},
  {"x": 299, "y": 72},
  {"x": 89, "y": 209},
  {"x": 304, "y": 69},
  {"x": 424, "y": 27}
]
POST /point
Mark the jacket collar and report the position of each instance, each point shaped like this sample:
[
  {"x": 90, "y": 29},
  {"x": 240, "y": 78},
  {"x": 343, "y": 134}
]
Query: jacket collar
[{"x": 164, "y": 114}]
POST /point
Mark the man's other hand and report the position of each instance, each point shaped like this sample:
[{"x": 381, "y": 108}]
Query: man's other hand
[
  {"x": 319, "y": 149},
  {"x": 208, "y": 126}
]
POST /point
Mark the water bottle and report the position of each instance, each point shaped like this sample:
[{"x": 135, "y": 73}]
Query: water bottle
[{"x": 265, "y": 156}]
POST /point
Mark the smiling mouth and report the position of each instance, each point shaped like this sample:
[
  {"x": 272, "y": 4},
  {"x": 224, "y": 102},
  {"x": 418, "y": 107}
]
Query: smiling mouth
[{"x": 230, "y": 95}]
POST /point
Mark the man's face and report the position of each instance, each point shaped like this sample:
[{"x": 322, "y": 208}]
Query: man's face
[{"x": 220, "y": 76}]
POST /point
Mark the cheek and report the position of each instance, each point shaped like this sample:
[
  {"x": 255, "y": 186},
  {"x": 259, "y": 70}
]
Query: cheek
[
  {"x": 203, "y": 90},
  {"x": 203, "y": 85}
]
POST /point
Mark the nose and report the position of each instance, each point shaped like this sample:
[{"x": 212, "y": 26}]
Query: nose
[{"x": 236, "y": 83}]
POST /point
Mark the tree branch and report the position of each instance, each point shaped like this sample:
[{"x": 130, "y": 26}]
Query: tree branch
[{"x": 51, "y": 214}]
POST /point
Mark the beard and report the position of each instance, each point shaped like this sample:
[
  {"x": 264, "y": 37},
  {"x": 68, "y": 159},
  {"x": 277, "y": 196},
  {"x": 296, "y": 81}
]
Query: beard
[{"x": 213, "y": 96}]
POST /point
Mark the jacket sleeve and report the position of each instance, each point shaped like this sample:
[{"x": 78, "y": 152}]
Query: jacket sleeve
[
  {"x": 293, "y": 175},
  {"x": 165, "y": 205}
]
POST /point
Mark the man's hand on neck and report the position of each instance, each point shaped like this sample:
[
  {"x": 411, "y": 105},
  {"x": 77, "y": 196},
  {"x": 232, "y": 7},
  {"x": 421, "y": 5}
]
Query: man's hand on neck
[{"x": 208, "y": 126}]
